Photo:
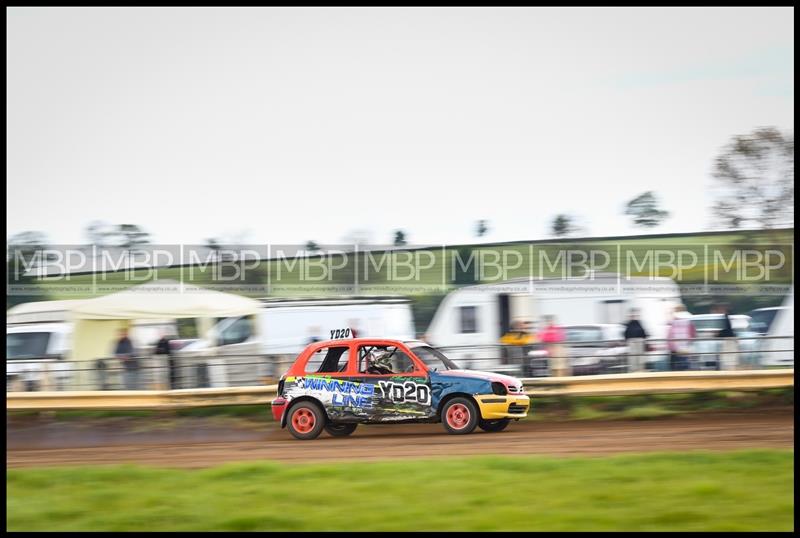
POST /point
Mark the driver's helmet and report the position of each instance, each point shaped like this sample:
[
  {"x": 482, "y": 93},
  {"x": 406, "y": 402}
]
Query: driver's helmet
[{"x": 380, "y": 358}]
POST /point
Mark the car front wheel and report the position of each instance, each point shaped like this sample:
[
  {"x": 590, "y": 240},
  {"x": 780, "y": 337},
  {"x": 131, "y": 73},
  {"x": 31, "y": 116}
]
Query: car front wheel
[
  {"x": 306, "y": 420},
  {"x": 460, "y": 416},
  {"x": 494, "y": 425}
]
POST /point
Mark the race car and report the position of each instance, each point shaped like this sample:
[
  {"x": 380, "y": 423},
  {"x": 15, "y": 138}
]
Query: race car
[{"x": 337, "y": 384}]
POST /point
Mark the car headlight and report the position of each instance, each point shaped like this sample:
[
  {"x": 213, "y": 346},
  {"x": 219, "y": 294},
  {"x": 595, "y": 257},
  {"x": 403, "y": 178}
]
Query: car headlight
[{"x": 499, "y": 389}]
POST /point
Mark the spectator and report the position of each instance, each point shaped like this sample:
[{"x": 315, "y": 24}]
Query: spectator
[
  {"x": 635, "y": 335},
  {"x": 124, "y": 352},
  {"x": 729, "y": 358},
  {"x": 681, "y": 332},
  {"x": 162, "y": 346},
  {"x": 553, "y": 337},
  {"x": 164, "y": 351},
  {"x": 518, "y": 335},
  {"x": 520, "y": 341}
]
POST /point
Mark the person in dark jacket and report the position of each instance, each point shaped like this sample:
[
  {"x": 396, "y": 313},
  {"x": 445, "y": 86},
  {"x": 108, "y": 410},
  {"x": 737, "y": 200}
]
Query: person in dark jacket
[
  {"x": 163, "y": 349},
  {"x": 634, "y": 329},
  {"x": 635, "y": 336},
  {"x": 727, "y": 327},
  {"x": 124, "y": 352},
  {"x": 729, "y": 358}
]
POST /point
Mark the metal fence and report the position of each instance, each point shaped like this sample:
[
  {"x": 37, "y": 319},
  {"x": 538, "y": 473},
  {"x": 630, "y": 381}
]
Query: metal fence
[{"x": 529, "y": 361}]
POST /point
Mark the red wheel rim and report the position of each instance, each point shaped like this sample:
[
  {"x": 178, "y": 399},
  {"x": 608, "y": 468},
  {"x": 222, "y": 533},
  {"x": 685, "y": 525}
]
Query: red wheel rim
[
  {"x": 457, "y": 416},
  {"x": 303, "y": 420}
]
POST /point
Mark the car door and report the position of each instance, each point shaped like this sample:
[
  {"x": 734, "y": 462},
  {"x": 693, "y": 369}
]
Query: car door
[
  {"x": 400, "y": 392},
  {"x": 328, "y": 378}
]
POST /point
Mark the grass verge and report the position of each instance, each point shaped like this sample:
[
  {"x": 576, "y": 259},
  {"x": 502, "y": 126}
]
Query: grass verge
[{"x": 732, "y": 491}]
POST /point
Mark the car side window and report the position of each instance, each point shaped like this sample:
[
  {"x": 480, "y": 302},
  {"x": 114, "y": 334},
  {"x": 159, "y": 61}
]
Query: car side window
[
  {"x": 328, "y": 360},
  {"x": 384, "y": 360}
]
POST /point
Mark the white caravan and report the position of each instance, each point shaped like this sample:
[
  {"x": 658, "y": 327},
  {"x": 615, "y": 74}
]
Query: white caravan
[{"x": 475, "y": 317}]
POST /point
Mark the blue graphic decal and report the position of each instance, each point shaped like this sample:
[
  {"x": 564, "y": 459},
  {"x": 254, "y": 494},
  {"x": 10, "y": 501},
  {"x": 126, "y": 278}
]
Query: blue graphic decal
[{"x": 443, "y": 384}]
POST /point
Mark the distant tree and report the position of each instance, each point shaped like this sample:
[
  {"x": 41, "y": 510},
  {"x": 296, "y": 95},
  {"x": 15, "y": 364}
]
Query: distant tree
[
  {"x": 131, "y": 235},
  {"x": 213, "y": 244},
  {"x": 481, "y": 228},
  {"x": 565, "y": 225},
  {"x": 99, "y": 233},
  {"x": 755, "y": 180},
  {"x": 399, "y": 238},
  {"x": 645, "y": 211},
  {"x": 312, "y": 246}
]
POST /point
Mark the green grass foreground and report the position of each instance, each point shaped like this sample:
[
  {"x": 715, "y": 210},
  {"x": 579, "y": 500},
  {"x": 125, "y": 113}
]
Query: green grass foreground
[{"x": 733, "y": 491}]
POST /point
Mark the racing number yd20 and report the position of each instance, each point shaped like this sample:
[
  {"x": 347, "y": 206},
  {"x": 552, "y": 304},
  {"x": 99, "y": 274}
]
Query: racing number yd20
[
  {"x": 336, "y": 334},
  {"x": 405, "y": 392}
]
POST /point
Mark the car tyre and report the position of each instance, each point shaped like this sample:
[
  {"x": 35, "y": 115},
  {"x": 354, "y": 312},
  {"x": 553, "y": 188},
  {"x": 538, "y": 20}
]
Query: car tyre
[
  {"x": 341, "y": 429},
  {"x": 460, "y": 416},
  {"x": 497, "y": 425},
  {"x": 305, "y": 420}
]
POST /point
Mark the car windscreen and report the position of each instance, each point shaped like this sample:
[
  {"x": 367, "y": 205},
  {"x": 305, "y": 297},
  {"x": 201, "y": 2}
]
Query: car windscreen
[
  {"x": 434, "y": 359},
  {"x": 761, "y": 320},
  {"x": 26, "y": 345}
]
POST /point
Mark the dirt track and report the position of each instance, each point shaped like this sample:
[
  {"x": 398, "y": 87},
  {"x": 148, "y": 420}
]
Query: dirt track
[{"x": 207, "y": 442}]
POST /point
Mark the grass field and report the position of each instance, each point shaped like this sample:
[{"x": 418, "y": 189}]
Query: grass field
[{"x": 733, "y": 491}]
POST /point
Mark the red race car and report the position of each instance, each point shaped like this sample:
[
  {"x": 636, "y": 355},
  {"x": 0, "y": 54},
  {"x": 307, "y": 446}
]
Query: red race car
[{"x": 338, "y": 384}]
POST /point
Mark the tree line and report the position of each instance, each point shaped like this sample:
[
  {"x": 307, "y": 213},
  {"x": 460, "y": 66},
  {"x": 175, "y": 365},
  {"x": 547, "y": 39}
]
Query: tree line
[{"x": 753, "y": 186}]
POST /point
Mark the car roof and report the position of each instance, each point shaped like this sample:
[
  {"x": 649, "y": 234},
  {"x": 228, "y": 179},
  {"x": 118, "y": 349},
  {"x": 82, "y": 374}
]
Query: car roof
[{"x": 348, "y": 341}]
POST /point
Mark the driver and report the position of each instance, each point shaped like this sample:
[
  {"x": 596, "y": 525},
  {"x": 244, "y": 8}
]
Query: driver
[{"x": 379, "y": 362}]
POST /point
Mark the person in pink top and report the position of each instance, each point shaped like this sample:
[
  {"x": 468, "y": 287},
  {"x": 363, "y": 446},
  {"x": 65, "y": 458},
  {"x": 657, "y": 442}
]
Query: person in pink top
[
  {"x": 552, "y": 333},
  {"x": 680, "y": 334},
  {"x": 553, "y": 336}
]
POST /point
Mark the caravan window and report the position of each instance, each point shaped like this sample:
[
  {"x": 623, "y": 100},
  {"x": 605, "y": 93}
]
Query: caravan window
[{"x": 468, "y": 319}]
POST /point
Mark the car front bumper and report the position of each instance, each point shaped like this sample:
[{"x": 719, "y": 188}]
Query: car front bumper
[
  {"x": 278, "y": 407},
  {"x": 494, "y": 407}
]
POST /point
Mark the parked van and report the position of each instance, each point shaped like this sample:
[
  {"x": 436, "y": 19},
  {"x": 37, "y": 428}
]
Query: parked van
[
  {"x": 284, "y": 327},
  {"x": 470, "y": 321},
  {"x": 776, "y": 321},
  {"x": 32, "y": 348}
]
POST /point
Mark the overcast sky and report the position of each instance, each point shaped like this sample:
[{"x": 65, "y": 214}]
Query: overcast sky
[{"x": 285, "y": 125}]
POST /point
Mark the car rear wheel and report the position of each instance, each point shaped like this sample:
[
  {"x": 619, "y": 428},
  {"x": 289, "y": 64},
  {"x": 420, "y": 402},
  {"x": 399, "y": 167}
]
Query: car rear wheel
[
  {"x": 306, "y": 420},
  {"x": 459, "y": 416},
  {"x": 342, "y": 429},
  {"x": 494, "y": 425}
]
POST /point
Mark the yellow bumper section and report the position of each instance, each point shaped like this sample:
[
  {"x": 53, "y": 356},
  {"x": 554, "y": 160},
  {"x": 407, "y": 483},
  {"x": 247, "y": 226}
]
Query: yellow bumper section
[{"x": 493, "y": 406}]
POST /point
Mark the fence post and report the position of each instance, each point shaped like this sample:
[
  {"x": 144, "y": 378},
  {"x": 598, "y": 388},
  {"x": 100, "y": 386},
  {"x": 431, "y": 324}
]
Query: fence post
[
  {"x": 46, "y": 384},
  {"x": 102, "y": 376}
]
